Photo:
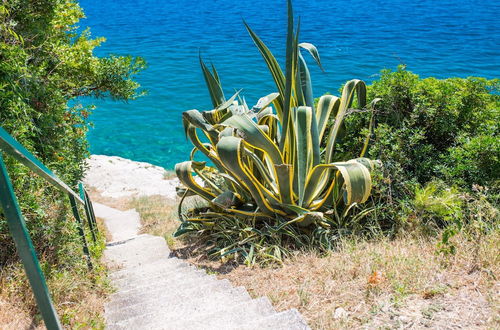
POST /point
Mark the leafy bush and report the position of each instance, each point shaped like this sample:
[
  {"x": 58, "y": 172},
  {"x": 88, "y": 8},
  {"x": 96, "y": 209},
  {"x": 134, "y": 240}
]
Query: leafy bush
[
  {"x": 270, "y": 175},
  {"x": 425, "y": 130},
  {"x": 473, "y": 160},
  {"x": 44, "y": 63}
]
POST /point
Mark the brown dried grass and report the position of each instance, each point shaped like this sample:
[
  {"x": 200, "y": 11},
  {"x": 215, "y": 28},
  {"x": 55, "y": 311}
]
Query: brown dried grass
[{"x": 398, "y": 283}]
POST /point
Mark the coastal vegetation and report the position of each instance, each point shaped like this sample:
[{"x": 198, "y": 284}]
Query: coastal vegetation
[
  {"x": 374, "y": 206},
  {"x": 46, "y": 61},
  {"x": 280, "y": 181},
  {"x": 427, "y": 255}
]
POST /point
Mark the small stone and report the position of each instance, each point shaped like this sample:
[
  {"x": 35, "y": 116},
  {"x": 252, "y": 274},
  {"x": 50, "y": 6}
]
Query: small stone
[{"x": 340, "y": 313}]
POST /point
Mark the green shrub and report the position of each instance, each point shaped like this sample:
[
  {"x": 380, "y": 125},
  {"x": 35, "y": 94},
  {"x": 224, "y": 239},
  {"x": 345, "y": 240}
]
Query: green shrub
[
  {"x": 473, "y": 160},
  {"x": 44, "y": 63},
  {"x": 428, "y": 129}
]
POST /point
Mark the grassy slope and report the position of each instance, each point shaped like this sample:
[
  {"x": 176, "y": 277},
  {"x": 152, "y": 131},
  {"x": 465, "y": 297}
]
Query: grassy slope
[{"x": 379, "y": 283}]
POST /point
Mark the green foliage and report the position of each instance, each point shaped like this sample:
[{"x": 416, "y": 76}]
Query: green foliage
[
  {"x": 436, "y": 205},
  {"x": 45, "y": 63},
  {"x": 473, "y": 160},
  {"x": 270, "y": 178},
  {"x": 433, "y": 200},
  {"x": 428, "y": 129}
]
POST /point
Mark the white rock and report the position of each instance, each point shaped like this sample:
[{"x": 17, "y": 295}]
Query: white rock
[
  {"x": 117, "y": 177},
  {"x": 340, "y": 313}
]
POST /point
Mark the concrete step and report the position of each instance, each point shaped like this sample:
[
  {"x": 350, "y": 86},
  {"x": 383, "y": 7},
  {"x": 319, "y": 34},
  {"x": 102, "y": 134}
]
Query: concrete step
[
  {"x": 122, "y": 299},
  {"x": 121, "y": 225},
  {"x": 171, "y": 281},
  {"x": 151, "y": 267},
  {"x": 137, "y": 251},
  {"x": 286, "y": 320},
  {"x": 165, "y": 266},
  {"x": 231, "y": 317},
  {"x": 155, "y": 291},
  {"x": 176, "y": 277},
  {"x": 173, "y": 306}
]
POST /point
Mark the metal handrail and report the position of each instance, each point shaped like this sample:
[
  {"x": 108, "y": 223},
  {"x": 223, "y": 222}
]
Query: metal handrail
[
  {"x": 16, "y": 150},
  {"x": 17, "y": 225}
]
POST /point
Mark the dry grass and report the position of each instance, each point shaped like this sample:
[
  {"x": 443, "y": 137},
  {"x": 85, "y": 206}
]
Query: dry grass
[
  {"x": 401, "y": 283},
  {"x": 13, "y": 316},
  {"x": 79, "y": 296},
  {"x": 158, "y": 216},
  {"x": 382, "y": 284}
]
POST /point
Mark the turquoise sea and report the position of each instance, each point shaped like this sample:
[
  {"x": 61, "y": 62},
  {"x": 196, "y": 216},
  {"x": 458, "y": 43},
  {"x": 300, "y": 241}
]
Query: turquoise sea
[{"x": 356, "y": 39}]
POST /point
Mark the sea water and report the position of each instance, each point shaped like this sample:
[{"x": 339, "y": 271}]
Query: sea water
[{"x": 355, "y": 38}]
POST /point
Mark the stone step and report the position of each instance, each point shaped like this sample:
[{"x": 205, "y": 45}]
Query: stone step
[
  {"x": 168, "y": 281},
  {"x": 164, "y": 266},
  {"x": 122, "y": 299},
  {"x": 225, "y": 318},
  {"x": 174, "y": 306},
  {"x": 137, "y": 251},
  {"x": 121, "y": 225},
  {"x": 164, "y": 263},
  {"x": 156, "y": 291},
  {"x": 178, "y": 276},
  {"x": 229, "y": 318}
]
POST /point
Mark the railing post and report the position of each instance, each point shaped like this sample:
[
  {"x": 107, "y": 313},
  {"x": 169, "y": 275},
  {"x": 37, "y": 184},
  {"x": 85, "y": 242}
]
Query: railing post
[
  {"x": 92, "y": 214},
  {"x": 25, "y": 250},
  {"x": 90, "y": 221},
  {"x": 74, "y": 208}
]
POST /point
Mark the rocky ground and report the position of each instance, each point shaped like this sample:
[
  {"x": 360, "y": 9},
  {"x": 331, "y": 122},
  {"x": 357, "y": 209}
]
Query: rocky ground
[{"x": 117, "y": 177}]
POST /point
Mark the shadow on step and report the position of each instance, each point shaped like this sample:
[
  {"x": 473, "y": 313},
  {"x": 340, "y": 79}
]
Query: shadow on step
[{"x": 197, "y": 254}]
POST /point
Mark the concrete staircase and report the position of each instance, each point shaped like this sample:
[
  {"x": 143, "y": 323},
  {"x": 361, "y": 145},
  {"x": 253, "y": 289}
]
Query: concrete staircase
[{"x": 156, "y": 291}]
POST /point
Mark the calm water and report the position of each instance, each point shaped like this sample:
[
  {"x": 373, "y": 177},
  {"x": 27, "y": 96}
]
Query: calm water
[{"x": 356, "y": 39}]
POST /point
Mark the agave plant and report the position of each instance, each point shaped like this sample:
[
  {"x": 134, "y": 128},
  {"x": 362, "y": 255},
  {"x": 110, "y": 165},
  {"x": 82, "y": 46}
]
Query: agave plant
[{"x": 268, "y": 161}]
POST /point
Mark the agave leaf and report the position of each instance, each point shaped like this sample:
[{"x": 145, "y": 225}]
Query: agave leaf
[
  {"x": 313, "y": 51},
  {"x": 227, "y": 199},
  {"x": 230, "y": 150},
  {"x": 328, "y": 106},
  {"x": 255, "y": 136},
  {"x": 265, "y": 101},
  {"x": 269, "y": 181},
  {"x": 193, "y": 137},
  {"x": 372, "y": 105},
  {"x": 304, "y": 122},
  {"x": 305, "y": 83},
  {"x": 229, "y": 102},
  {"x": 356, "y": 178},
  {"x": 284, "y": 173},
  {"x": 306, "y": 87},
  {"x": 195, "y": 118},
  {"x": 352, "y": 88},
  {"x": 286, "y": 145},
  {"x": 271, "y": 121},
  {"x": 300, "y": 82},
  {"x": 184, "y": 173},
  {"x": 213, "y": 84},
  {"x": 272, "y": 63}
]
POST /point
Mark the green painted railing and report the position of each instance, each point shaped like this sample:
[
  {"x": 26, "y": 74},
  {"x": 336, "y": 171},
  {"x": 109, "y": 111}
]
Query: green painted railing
[{"x": 17, "y": 225}]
